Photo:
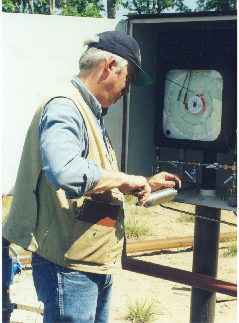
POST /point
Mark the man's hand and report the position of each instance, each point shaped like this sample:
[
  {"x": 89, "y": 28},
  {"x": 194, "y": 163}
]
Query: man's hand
[
  {"x": 136, "y": 186},
  {"x": 126, "y": 184},
  {"x": 163, "y": 179}
]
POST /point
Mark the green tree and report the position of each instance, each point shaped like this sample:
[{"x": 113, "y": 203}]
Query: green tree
[
  {"x": 44, "y": 7},
  {"x": 154, "y": 6},
  {"x": 111, "y": 8},
  {"x": 17, "y": 6},
  {"x": 81, "y": 8},
  {"x": 8, "y": 6},
  {"x": 26, "y": 6},
  {"x": 217, "y": 5}
]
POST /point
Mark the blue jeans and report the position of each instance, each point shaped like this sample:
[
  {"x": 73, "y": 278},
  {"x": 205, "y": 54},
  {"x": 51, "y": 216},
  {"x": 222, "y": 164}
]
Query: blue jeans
[{"x": 69, "y": 295}]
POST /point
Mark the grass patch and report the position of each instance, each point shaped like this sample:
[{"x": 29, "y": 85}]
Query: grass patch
[
  {"x": 135, "y": 228},
  {"x": 184, "y": 217},
  {"x": 231, "y": 249},
  {"x": 131, "y": 200},
  {"x": 141, "y": 311}
]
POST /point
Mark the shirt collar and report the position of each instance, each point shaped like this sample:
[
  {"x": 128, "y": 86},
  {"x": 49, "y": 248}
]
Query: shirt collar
[{"x": 89, "y": 98}]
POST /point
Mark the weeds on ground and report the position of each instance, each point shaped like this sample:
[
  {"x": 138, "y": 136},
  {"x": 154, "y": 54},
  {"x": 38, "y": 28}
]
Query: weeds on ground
[
  {"x": 231, "y": 249},
  {"x": 135, "y": 228},
  {"x": 129, "y": 199},
  {"x": 141, "y": 311},
  {"x": 184, "y": 217}
]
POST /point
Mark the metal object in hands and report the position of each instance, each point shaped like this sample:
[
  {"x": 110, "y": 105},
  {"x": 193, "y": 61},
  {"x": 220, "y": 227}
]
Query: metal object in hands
[{"x": 158, "y": 197}]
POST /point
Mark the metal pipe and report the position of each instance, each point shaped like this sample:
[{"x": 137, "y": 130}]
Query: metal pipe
[
  {"x": 29, "y": 308},
  {"x": 173, "y": 274},
  {"x": 180, "y": 276},
  {"x": 149, "y": 245},
  {"x": 152, "y": 245},
  {"x": 25, "y": 258},
  {"x": 205, "y": 261}
]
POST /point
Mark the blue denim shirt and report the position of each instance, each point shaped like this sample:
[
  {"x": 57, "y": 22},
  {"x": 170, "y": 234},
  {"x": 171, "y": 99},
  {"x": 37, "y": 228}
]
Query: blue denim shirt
[{"x": 64, "y": 143}]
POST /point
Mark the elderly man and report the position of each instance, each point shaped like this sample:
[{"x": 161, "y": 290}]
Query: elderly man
[{"x": 68, "y": 203}]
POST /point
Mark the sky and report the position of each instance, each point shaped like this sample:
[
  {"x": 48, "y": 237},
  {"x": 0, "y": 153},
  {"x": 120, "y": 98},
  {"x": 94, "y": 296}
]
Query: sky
[{"x": 121, "y": 12}]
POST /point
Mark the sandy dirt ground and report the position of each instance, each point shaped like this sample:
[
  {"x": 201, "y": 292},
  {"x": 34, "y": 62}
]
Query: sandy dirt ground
[{"x": 172, "y": 300}]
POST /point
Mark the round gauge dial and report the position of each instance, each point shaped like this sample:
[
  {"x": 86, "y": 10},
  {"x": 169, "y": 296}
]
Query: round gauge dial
[{"x": 193, "y": 104}]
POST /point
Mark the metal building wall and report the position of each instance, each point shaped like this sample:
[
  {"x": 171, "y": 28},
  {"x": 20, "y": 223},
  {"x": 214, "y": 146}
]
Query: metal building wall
[{"x": 40, "y": 53}]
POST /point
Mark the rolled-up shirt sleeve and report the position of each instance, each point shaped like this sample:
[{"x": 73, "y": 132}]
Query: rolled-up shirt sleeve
[{"x": 64, "y": 146}]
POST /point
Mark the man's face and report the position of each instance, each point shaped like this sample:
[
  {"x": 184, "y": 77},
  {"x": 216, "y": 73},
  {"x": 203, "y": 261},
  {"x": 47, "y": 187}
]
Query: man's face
[{"x": 117, "y": 85}]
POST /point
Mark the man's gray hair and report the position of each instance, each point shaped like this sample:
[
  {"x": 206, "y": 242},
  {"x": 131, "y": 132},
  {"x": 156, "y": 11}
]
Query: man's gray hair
[{"x": 93, "y": 56}]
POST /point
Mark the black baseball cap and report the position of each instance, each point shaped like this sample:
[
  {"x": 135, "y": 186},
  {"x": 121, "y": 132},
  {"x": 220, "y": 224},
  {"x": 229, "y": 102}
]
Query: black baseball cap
[{"x": 119, "y": 43}]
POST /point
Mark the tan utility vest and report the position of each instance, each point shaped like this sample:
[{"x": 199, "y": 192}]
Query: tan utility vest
[{"x": 83, "y": 234}]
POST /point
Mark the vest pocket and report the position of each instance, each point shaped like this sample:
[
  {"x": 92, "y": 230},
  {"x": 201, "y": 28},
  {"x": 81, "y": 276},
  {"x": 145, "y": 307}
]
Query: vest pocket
[
  {"x": 94, "y": 230},
  {"x": 90, "y": 243},
  {"x": 100, "y": 213}
]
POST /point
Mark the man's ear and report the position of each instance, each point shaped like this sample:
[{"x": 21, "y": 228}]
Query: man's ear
[{"x": 111, "y": 63}]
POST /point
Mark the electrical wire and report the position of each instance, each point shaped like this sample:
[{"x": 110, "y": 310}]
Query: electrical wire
[{"x": 199, "y": 216}]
